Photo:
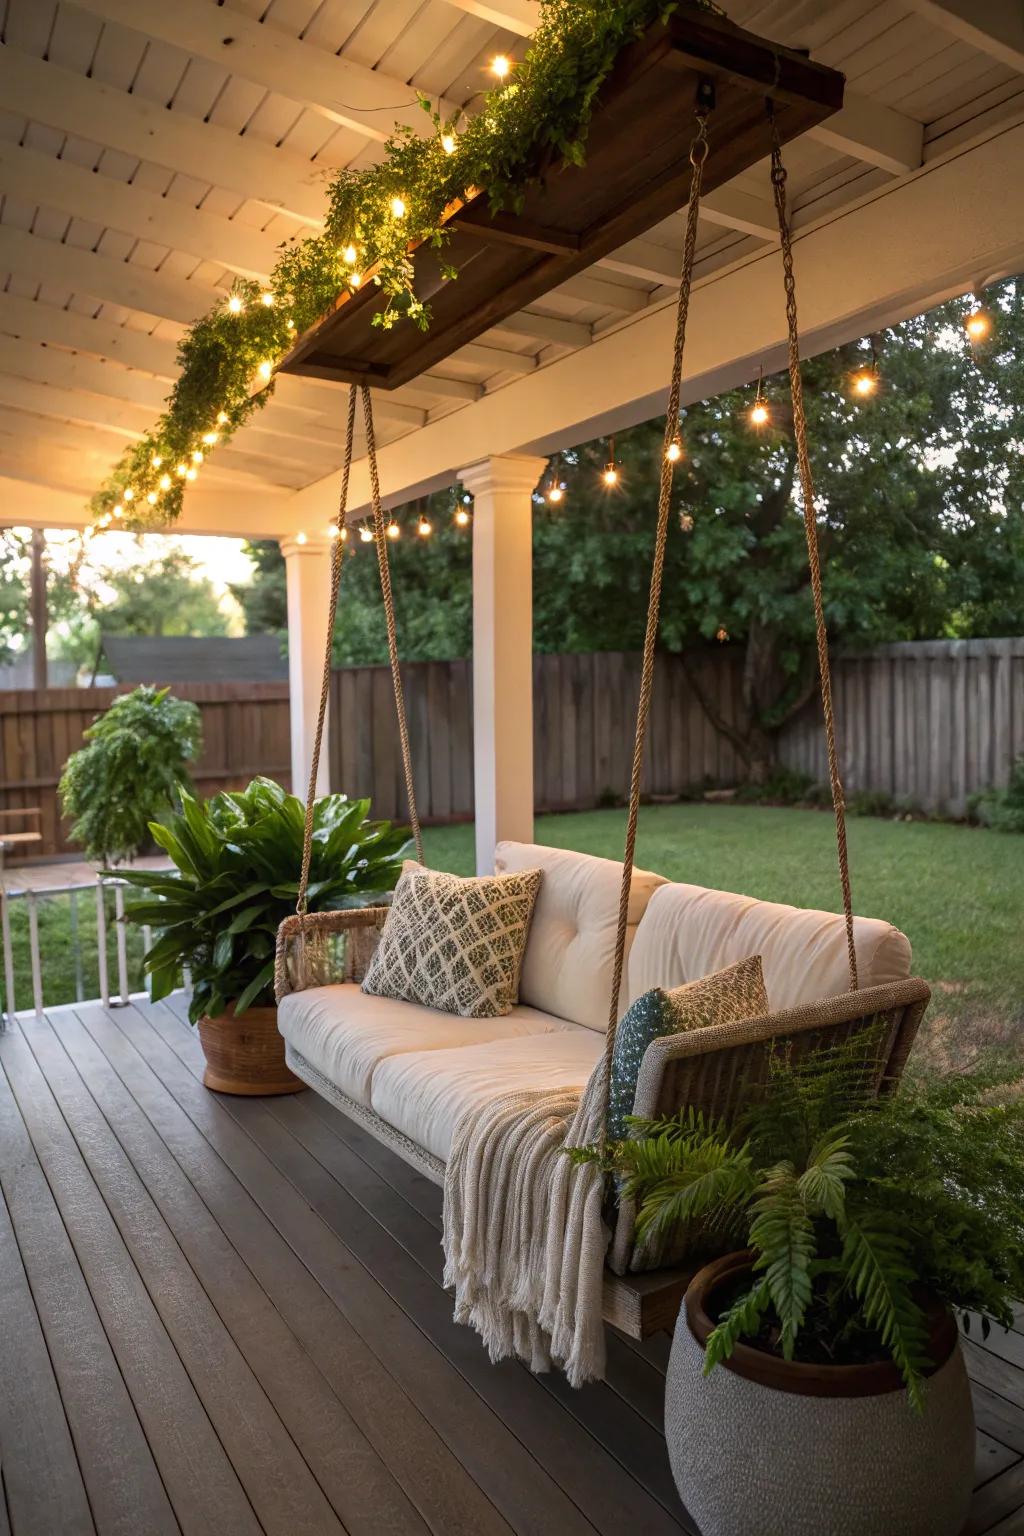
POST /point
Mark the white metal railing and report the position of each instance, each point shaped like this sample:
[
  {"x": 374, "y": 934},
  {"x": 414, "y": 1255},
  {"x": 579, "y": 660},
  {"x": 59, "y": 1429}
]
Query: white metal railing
[{"x": 75, "y": 896}]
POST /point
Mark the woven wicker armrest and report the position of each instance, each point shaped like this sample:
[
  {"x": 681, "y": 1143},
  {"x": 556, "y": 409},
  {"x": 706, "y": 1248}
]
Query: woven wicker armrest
[
  {"x": 324, "y": 948},
  {"x": 719, "y": 1069}
]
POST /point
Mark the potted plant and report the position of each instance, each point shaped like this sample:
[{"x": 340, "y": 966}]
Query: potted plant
[
  {"x": 237, "y": 862},
  {"x": 816, "y": 1384}
]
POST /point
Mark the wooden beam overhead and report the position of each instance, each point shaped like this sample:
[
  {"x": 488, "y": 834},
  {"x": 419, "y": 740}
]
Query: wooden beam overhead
[
  {"x": 35, "y": 321},
  {"x": 642, "y": 258},
  {"x": 103, "y": 277},
  {"x": 732, "y": 208},
  {"x": 546, "y": 328},
  {"x": 876, "y": 134},
  {"x": 519, "y": 16},
  {"x": 591, "y": 290},
  {"x": 62, "y": 99},
  {"x": 35, "y": 178},
  {"x": 495, "y": 359},
  {"x": 346, "y": 93},
  {"x": 994, "y": 27}
]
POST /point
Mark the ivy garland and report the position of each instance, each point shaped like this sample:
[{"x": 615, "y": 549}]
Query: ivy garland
[{"x": 375, "y": 216}]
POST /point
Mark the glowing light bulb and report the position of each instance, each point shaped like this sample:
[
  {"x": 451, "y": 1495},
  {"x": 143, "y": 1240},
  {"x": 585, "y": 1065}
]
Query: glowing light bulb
[
  {"x": 610, "y": 476},
  {"x": 398, "y": 207},
  {"x": 501, "y": 65},
  {"x": 865, "y": 383},
  {"x": 267, "y": 299},
  {"x": 209, "y": 438},
  {"x": 674, "y": 451},
  {"x": 300, "y": 538},
  {"x": 235, "y": 304},
  {"x": 758, "y": 414},
  {"x": 222, "y": 418},
  {"x": 197, "y": 456},
  {"x": 555, "y": 494},
  {"x": 462, "y": 517},
  {"x": 265, "y": 369},
  {"x": 181, "y": 470},
  {"x": 129, "y": 494},
  {"x": 104, "y": 521},
  {"x": 332, "y": 532},
  {"x": 119, "y": 510},
  {"x": 343, "y": 535},
  {"x": 978, "y": 325},
  {"x": 165, "y": 482},
  {"x": 349, "y": 254},
  {"x": 190, "y": 473},
  {"x": 156, "y": 461},
  {"x": 448, "y": 143},
  {"x": 393, "y": 531},
  {"x": 366, "y": 535},
  {"x": 424, "y": 528},
  {"x": 151, "y": 498},
  {"x": 355, "y": 279}
]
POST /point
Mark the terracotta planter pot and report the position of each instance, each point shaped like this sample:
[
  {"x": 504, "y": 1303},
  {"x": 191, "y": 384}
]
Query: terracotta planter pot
[
  {"x": 245, "y": 1054},
  {"x": 763, "y": 1446}
]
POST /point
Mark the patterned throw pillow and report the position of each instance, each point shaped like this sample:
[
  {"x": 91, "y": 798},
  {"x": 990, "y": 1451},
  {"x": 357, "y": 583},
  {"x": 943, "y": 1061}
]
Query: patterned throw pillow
[
  {"x": 455, "y": 944},
  {"x": 724, "y": 997}
]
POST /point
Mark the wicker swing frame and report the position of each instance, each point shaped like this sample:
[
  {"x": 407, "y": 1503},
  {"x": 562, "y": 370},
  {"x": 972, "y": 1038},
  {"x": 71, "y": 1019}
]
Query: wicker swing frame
[{"x": 718, "y": 1069}]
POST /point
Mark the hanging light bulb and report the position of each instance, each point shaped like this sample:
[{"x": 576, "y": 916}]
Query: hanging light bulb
[
  {"x": 210, "y": 438},
  {"x": 119, "y": 510},
  {"x": 181, "y": 470},
  {"x": 265, "y": 369},
  {"x": 978, "y": 324},
  {"x": 355, "y": 279},
  {"x": 190, "y": 473},
  {"x": 156, "y": 461},
  {"x": 349, "y": 254},
  {"x": 610, "y": 473},
  {"x": 398, "y": 207},
  {"x": 864, "y": 383},
  {"x": 222, "y": 418},
  {"x": 235, "y": 304},
  {"x": 343, "y": 534},
  {"x": 197, "y": 456},
  {"x": 267, "y": 299},
  {"x": 393, "y": 531},
  {"x": 555, "y": 493},
  {"x": 366, "y": 534},
  {"x": 424, "y": 527},
  {"x": 129, "y": 494},
  {"x": 104, "y": 521},
  {"x": 332, "y": 532},
  {"x": 461, "y": 517},
  {"x": 501, "y": 66},
  {"x": 151, "y": 498},
  {"x": 759, "y": 414},
  {"x": 448, "y": 143},
  {"x": 674, "y": 451},
  {"x": 300, "y": 538},
  {"x": 165, "y": 482}
]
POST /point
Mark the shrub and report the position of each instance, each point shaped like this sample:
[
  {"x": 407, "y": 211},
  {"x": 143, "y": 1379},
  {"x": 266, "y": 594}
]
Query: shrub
[
  {"x": 870, "y": 802},
  {"x": 130, "y": 772},
  {"x": 783, "y": 786},
  {"x": 1001, "y": 809}
]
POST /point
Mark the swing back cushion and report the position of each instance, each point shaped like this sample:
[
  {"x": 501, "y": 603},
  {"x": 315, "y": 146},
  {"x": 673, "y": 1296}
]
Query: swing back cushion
[{"x": 570, "y": 952}]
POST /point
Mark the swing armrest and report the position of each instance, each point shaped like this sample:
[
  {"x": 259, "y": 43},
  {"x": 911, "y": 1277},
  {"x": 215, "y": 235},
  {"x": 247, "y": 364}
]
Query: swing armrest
[
  {"x": 322, "y": 949},
  {"x": 719, "y": 1070}
]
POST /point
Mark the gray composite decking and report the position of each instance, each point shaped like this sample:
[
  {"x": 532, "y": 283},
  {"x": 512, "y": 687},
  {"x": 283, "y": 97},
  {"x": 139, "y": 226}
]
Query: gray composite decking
[{"x": 225, "y": 1316}]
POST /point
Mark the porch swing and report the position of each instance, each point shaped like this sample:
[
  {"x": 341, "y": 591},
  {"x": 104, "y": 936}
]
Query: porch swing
[{"x": 827, "y": 977}]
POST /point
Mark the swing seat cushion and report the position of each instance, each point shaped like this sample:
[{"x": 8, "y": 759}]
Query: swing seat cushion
[
  {"x": 688, "y": 932},
  {"x": 346, "y": 1033}
]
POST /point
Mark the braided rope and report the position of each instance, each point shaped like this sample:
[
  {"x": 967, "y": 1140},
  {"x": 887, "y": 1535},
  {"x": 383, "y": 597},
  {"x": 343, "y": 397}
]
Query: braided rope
[
  {"x": 337, "y": 557},
  {"x": 381, "y": 540},
  {"x": 698, "y": 155},
  {"x": 811, "y": 531}
]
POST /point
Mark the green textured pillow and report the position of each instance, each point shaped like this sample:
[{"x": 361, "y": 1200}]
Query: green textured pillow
[{"x": 724, "y": 997}]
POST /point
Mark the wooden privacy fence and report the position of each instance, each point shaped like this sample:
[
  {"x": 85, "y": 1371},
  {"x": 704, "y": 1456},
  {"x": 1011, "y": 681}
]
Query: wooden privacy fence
[
  {"x": 245, "y": 731},
  {"x": 929, "y": 722}
]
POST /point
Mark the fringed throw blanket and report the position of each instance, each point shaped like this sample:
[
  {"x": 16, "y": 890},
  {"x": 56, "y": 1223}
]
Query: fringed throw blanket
[{"x": 524, "y": 1238}]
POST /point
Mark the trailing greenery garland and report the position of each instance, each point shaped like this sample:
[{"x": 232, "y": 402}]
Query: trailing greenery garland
[{"x": 374, "y": 218}]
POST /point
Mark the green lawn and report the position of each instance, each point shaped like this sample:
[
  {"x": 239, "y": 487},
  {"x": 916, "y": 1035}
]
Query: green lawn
[{"x": 957, "y": 892}]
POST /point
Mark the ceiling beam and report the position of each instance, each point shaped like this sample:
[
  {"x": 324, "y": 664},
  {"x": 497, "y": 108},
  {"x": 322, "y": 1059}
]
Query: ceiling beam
[
  {"x": 547, "y": 328},
  {"x": 103, "y": 277},
  {"x": 62, "y": 99},
  {"x": 591, "y": 290},
  {"x": 345, "y": 93},
  {"x": 994, "y": 27},
  {"x": 732, "y": 208},
  {"x": 38, "y": 179},
  {"x": 519, "y": 16},
  {"x": 495, "y": 359},
  {"x": 230, "y": 511},
  {"x": 642, "y": 258},
  {"x": 36, "y": 321},
  {"x": 867, "y": 130}
]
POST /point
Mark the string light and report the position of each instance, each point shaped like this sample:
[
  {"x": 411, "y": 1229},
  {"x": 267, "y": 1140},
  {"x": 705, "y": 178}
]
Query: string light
[
  {"x": 393, "y": 531},
  {"x": 197, "y": 456},
  {"x": 222, "y": 418},
  {"x": 759, "y": 414},
  {"x": 366, "y": 534},
  {"x": 332, "y": 532},
  {"x": 181, "y": 470},
  {"x": 555, "y": 493},
  {"x": 398, "y": 207},
  {"x": 210, "y": 438},
  {"x": 129, "y": 494},
  {"x": 461, "y": 517},
  {"x": 424, "y": 528},
  {"x": 190, "y": 473},
  {"x": 104, "y": 521},
  {"x": 865, "y": 382},
  {"x": 151, "y": 498},
  {"x": 349, "y": 255},
  {"x": 119, "y": 510},
  {"x": 267, "y": 298},
  {"x": 674, "y": 451},
  {"x": 448, "y": 143},
  {"x": 343, "y": 534},
  {"x": 355, "y": 279},
  {"x": 300, "y": 538},
  {"x": 156, "y": 461},
  {"x": 501, "y": 66},
  {"x": 265, "y": 369},
  {"x": 610, "y": 473},
  {"x": 165, "y": 482},
  {"x": 978, "y": 324},
  {"x": 235, "y": 304}
]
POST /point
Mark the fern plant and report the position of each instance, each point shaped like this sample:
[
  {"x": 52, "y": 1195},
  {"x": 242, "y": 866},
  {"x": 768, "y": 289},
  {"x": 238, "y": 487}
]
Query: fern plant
[{"x": 856, "y": 1210}]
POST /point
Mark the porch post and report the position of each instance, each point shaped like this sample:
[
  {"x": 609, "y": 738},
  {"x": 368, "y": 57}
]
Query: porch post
[
  {"x": 502, "y": 648},
  {"x": 307, "y": 562}
]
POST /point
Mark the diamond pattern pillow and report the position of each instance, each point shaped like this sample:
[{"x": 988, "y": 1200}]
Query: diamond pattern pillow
[
  {"x": 724, "y": 997},
  {"x": 455, "y": 944}
]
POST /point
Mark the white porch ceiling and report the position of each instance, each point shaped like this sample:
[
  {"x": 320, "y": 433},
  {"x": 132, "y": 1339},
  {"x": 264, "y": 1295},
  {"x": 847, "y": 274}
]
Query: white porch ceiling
[{"x": 150, "y": 151}]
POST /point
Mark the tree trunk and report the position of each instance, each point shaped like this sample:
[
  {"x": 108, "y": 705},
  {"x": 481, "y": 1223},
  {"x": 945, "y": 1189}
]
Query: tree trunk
[{"x": 37, "y": 603}]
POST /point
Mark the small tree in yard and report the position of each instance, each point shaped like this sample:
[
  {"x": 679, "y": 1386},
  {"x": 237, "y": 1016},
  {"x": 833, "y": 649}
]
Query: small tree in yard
[{"x": 130, "y": 772}]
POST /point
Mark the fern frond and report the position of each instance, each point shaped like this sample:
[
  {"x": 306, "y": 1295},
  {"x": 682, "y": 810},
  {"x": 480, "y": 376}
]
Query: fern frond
[
  {"x": 711, "y": 1180},
  {"x": 875, "y": 1259},
  {"x": 782, "y": 1235},
  {"x": 741, "y": 1319},
  {"x": 823, "y": 1182}
]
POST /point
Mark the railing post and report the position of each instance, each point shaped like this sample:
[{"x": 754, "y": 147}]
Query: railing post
[
  {"x": 33, "y": 950},
  {"x": 76, "y": 945},
  {"x": 101, "y": 944},
  {"x": 5, "y": 926},
  {"x": 147, "y": 945},
  {"x": 121, "y": 940}
]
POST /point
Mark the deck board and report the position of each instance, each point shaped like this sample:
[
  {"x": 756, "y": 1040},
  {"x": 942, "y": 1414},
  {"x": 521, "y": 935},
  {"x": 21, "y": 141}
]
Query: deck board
[{"x": 226, "y": 1316}]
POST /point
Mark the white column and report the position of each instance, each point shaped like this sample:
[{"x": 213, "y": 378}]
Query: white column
[
  {"x": 502, "y": 649},
  {"x": 307, "y": 559}
]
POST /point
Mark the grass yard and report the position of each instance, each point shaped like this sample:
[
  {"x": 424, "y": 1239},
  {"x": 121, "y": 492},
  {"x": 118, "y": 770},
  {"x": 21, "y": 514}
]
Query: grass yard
[{"x": 957, "y": 892}]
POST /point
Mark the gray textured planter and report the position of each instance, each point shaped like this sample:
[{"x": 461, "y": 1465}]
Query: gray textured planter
[{"x": 820, "y": 1451}]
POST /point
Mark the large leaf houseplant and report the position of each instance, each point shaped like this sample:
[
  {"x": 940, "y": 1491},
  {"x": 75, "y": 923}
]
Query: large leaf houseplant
[
  {"x": 237, "y": 859},
  {"x": 821, "y": 1362}
]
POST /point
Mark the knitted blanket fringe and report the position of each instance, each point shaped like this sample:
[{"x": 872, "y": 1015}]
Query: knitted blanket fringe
[{"x": 524, "y": 1239}]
